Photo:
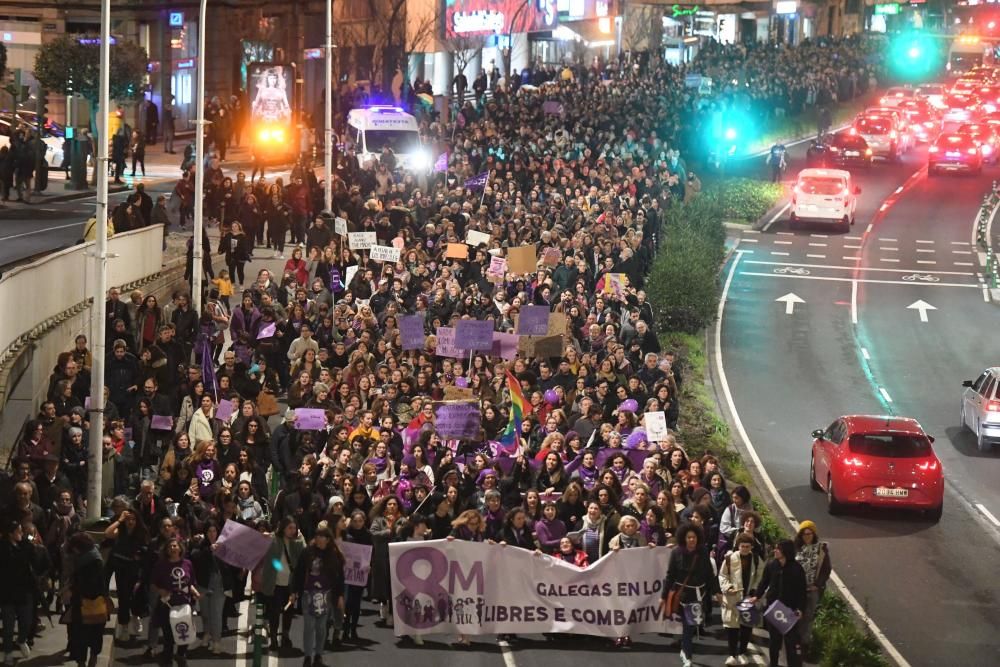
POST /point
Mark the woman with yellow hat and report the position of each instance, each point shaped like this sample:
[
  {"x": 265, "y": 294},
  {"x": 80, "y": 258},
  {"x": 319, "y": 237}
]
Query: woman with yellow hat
[{"x": 814, "y": 557}]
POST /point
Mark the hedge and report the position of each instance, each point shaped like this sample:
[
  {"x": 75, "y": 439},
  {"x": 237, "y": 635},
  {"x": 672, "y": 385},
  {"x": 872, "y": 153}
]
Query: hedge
[
  {"x": 683, "y": 289},
  {"x": 745, "y": 200}
]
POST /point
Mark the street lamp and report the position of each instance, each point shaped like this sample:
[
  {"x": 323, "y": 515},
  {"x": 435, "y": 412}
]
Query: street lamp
[
  {"x": 95, "y": 457},
  {"x": 328, "y": 113},
  {"x": 197, "y": 270}
]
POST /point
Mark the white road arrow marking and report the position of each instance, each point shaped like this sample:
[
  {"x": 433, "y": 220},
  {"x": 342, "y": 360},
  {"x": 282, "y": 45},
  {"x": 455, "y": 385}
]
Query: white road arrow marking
[
  {"x": 790, "y": 300},
  {"x": 923, "y": 307}
]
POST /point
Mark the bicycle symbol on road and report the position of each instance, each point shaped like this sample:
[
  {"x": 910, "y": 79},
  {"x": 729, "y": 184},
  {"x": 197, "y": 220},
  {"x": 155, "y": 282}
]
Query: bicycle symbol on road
[
  {"x": 793, "y": 270},
  {"x": 922, "y": 277}
]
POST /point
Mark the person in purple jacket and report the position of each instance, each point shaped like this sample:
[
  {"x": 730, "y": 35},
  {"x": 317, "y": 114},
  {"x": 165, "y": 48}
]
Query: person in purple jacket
[
  {"x": 173, "y": 582},
  {"x": 550, "y": 529},
  {"x": 206, "y": 469}
]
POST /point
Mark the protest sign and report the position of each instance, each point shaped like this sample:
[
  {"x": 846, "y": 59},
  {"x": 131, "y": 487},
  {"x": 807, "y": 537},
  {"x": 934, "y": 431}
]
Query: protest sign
[
  {"x": 457, "y": 420},
  {"x": 552, "y": 108},
  {"x": 457, "y": 251},
  {"x": 267, "y": 330},
  {"x": 558, "y": 324},
  {"x": 399, "y": 242},
  {"x": 224, "y": 410},
  {"x": 471, "y": 588},
  {"x": 533, "y": 321},
  {"x": 456, "y": 393},
  {"x": 497, "y": 268},
  {"x": 522, "y": 259},
  {"x": 541, "y": 346},
  {"x": 381, "y": 253},
  {"x": 656, "y": 426},
  {"x": 614, "y": 283},
  {"x": 161, "y": 422},
  {"x": 475, "y": 334},
  {"x": 349, "y": 275},
  {"x": 340, "y": 226},
  {"x": 357, "y": 562},
  {"x": 551, "y": 257},
  {"x": 310, "y": 419},
  {"x": 476, "y": 239},
  {"x": 411, "y": 331},
  {"x": 505, "y": 345},
  {"x": 241, "y": 546},
  {"x": 446, "y": 345},
  {"x": 361, "y": 240}
]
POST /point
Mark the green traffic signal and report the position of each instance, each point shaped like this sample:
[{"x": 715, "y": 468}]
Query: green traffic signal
[{"x": 913, "y": 56}]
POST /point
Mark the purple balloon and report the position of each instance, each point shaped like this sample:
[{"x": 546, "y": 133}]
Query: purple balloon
[
  {"x": 461, "y": 382},
  {"x": 551, "y": 396},
  {"x": 629, "y": 405}
]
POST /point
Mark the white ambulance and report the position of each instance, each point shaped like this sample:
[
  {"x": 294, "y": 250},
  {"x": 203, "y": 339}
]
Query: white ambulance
[{"x": 372, "y": 128}]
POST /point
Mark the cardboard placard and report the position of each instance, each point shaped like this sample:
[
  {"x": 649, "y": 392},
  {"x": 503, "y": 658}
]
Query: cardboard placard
[
  {"x": 361, "y": 240},
  {"x": 453, "y": 393},
  {"x": 475, "y": 334},
  {"x": 457, "y": 251},
  {"x": 381, "y": 253},
  {"x": 541, "y": 346},
  {"x": 558, "y": 324},
  {"x": 476, "y": 239},
  {"x": 522, "y": 259}
]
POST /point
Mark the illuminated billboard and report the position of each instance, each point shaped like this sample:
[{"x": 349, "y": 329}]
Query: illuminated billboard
[
  {"x": 270, "y": 88},
  {"x": 498, "y": 17}
]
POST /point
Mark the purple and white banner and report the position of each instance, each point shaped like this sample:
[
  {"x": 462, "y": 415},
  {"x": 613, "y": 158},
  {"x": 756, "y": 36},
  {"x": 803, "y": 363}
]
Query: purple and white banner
[{"x": 475, "y": 588}]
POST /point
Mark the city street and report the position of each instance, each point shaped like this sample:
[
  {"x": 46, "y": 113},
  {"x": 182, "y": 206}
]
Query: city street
[{"x": 887, "y": 319}]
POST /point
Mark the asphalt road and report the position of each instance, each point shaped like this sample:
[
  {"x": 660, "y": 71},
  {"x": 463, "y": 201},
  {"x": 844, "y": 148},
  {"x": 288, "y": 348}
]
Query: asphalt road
[{"x": 855, "y": 346}]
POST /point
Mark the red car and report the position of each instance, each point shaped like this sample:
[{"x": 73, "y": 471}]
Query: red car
[{"x": 878, "y": 461}]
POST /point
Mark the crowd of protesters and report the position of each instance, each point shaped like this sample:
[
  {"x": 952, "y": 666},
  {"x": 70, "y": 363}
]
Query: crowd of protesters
[{"x": 587, "y": 190}]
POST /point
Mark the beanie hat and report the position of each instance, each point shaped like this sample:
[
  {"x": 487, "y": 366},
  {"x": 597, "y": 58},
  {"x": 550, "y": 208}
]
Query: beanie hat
[{"x": 807, "y": 524}]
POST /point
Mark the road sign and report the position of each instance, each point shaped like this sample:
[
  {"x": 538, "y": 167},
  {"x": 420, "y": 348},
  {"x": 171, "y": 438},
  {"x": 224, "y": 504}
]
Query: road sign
[
  {"x": 790, "y": 300},
  {"x": 923, "y": 307}
]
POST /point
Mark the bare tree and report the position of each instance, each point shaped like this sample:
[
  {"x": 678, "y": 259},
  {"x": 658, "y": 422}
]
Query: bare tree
[
  {"x": 643, "y": 29},
  {"x": 464, "y": 48},
  {"x": 389, "y": 22}
]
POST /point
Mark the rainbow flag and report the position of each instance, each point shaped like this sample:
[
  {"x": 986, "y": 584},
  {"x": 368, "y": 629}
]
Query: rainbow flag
[
  {"x": 411, "y": 434},
  {"x": 519, "y": 407}
]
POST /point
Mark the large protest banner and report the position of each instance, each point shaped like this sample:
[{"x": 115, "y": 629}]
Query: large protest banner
[{"x": 475, "y": 588}]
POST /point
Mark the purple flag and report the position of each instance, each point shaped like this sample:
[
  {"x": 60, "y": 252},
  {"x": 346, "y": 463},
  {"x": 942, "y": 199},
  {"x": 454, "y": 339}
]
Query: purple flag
[
  {"x": 477, "y": 182},
  {"x": 474, "y": 334},
  {"x": 441, "y": 165},
  {"x": 224, "y": 410},
  {"x": 411, "y": 331},
  {"x": 553, "y": 108},
  {"x": 267, "y": 330},
  {"x": 207, "y": 365}
]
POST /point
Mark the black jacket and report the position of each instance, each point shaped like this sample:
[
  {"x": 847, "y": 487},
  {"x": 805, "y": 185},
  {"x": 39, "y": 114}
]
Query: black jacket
[
  {"x": 787, "y": 584},
  {"x": 17, "y": 564},
  {"x": 694, "y": 568}
]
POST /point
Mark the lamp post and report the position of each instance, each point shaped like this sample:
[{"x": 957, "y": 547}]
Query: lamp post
[
  {"x": 328, "y": 113},
  {"x": 95, "y": 457},
  {"x": 197, "y": 271}
]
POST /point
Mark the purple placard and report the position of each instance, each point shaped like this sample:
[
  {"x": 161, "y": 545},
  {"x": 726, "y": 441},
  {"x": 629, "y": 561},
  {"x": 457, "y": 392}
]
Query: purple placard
[
  {"x": 310, "y": 419},
  {"x": 224, "y": 410},
  {"x": 446, "y": 346},
  {"x": 86, "y": 403},
  {"x": 411, "y": 331},
  {"x": 241, "y": 546},
  {"x": 533, "y": 321},
  {"x": 474, "y": 334},
  {"x": 635, "y": 456},
  {"x": 552, "y": 108},
  {"x": 457, "y": 420},
  {"x": 505, "y": 345},
  {"x": 267, "y": 330},
  {"x": 161, "y": 422}
]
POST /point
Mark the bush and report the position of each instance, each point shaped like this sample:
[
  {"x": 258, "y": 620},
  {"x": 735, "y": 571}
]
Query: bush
[
  {"x": 745, "y": 199},
  {"x": 849, "y": 647}
]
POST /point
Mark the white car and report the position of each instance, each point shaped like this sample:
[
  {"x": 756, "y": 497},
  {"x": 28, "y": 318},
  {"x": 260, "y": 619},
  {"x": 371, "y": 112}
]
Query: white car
[
  {"x": 53, "y": 145},
  {"x": 981, "y": 408},
  {"x": 824, "y": 195},
  {"x": 933, "y": 93},
  {"x": 896, "y": 95}
]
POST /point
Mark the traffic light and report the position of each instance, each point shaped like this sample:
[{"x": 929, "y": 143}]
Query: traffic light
[{"x": 914, "y": 56}]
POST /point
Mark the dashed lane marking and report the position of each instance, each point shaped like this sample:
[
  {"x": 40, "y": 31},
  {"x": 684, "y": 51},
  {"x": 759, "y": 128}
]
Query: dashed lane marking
[
  {"x": 926, "y": 261},
  {"x": 851, "y": 247},
  {"x": 964, "y": 264},
  {"x": 961, "y": 252},
  {"x": 851, "y": 259},
  {"x": 926, "y": 242},
  {"x": 888, "y": 259},
  {"x": 864, "y": 353},
  {"x": 816, "y": 256},
  {"x": 988, "y": 514},
  {"x": 885, "y": 394},
  {"x": 817, "y": 245},
  {"x": 886, "y": 238},
  {"x": 783, "y": 242},
  {"x": 926, "y": 250},
  {"x": 820, "y": 236},
  {"x": 852, "y": 238},
  {"x": 750, "y": 240},
  {"x": 779, "y": 254},
  {"x": 786, "y": 234},
  {"x": 888, "y": 249}
]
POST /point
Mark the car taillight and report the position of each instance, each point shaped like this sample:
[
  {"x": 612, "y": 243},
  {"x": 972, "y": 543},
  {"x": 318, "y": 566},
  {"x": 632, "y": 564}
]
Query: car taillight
[
  {"x": 993, "y": 406},
  {"x": 853, "y": 461},
  {"x": 972, "y": 151},
  {"x": 853, "y": 131},
  {"x": 893, "y": 134},
  {"x": 882, "y": 101},
  {"x": 932, "y": 149},
  {"x": 928, "y": 123},
  {"x": 868, "y": 151},
  {"x": 987, "y": 149},
  {"x": 928, "y": 465}
]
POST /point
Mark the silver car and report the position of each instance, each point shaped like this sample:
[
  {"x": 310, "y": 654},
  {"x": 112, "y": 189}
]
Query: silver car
[{"x": 981, "y": 408}]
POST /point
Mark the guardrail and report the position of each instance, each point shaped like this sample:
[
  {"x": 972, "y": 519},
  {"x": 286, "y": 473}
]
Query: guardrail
[{"x": 36, "y": 297}]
